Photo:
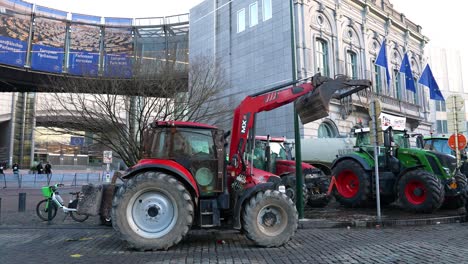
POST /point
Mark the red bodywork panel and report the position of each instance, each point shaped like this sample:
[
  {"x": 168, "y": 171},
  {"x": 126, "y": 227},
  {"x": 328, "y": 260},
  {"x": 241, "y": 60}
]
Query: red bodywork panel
[
  {"x": 286, "y": 166},
  {"x": 170, "y": 164}
]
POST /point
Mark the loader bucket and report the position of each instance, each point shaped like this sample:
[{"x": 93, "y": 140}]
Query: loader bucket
[{"x": 314, "y": 105}]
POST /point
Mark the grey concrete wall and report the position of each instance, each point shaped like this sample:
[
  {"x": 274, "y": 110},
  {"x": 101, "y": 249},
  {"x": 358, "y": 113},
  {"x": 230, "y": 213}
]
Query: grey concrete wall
[{"x": 254, "y": 60}]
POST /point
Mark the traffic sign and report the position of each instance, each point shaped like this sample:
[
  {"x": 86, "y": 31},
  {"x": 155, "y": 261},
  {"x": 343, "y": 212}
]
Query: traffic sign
[
  {"x": 107, "y": 157},
  {"x": 461, "y": 142},
  {"x": 455, "y": 102}
]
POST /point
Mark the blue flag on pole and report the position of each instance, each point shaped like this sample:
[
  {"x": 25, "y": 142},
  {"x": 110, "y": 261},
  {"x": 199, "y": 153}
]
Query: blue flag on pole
[
  {"x": 382, "y": 61},
  {"x": 406, "y": 69},
  {"x": 428, "y": 80}
]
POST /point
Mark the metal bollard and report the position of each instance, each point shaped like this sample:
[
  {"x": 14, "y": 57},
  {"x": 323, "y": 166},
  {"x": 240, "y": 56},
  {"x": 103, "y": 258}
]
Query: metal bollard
[{"x": 22, "y": 202}]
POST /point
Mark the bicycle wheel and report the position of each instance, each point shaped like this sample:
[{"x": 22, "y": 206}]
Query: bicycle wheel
[
  {"x": 43, "y": 212},
  {"x": 78, "y": 217}
]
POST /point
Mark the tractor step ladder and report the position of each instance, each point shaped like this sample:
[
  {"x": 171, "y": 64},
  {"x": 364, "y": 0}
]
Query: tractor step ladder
[{"x": 209, "y": 213}]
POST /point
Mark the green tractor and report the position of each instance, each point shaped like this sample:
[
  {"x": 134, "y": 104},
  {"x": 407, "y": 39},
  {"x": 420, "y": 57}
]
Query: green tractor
[
  {"x": 440, "y": 144},
  {"x": 422, "y": 180}
]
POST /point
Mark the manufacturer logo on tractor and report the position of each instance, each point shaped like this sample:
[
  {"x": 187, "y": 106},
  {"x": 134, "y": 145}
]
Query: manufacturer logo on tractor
[{"x": 245, "y": 120}]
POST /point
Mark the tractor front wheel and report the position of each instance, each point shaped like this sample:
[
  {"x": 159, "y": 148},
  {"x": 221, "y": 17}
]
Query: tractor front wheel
[
  {"x": 269, "y": 219},
  {"x": 352, "y": 184},
  {"x": 152, "y": 211},
  {"x": 420, "y": 191}
]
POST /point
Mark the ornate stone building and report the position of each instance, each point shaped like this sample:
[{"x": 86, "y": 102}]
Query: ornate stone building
[{"x": 252, "y": 40}]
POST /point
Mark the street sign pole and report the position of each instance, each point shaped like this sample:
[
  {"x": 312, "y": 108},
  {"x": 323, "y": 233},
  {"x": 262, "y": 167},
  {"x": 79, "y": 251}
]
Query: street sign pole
[
  {"x": 455, "y": 104},
  {"x": 374, "y": 109}
]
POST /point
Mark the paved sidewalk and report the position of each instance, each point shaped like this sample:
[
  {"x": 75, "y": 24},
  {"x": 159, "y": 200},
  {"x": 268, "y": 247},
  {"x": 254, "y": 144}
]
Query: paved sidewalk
[{"x": 427, "y": 244}]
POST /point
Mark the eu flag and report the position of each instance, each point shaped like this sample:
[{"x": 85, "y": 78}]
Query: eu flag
[
  {"x": 428, "y": 80},
  {"x": 382, "y": 61},
  {"x": 406, "y": 69}
]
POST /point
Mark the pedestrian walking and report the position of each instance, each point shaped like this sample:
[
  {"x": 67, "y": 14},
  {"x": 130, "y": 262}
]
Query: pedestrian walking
[
  {"x": 3, "y": 167},
  {"x": 48, "y": 171},
  {"x": 15, "y": 168},
  {"x": 40, "y": 168}
]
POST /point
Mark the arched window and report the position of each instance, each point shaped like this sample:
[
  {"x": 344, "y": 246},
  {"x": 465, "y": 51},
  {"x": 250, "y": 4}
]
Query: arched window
[
  {"x": 327, "y": 130},
  {"x": 321, "y": 58},
  {"x": 351, "y": 64}
]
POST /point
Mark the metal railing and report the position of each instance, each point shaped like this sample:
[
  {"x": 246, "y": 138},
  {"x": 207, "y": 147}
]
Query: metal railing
[{"x": 34, "y": 180}]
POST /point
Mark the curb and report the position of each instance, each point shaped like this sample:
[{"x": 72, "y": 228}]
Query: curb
[{"x": 324, "y": 223}]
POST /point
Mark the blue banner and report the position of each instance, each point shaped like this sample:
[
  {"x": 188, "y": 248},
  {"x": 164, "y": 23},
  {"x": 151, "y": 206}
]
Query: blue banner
[
  {"x": 83, "y": 63},
  {"x": 12, "y": 51},
  {"x": 46, "y": 58},
  {"x": 118, "y": 65},
  {"x": 76, "y": 141}
]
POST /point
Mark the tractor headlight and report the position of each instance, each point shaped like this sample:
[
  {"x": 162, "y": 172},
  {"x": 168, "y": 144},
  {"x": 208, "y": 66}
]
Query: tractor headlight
[
  {"x": 447, "y": 170},
  {"x": 282, "y": 188}
]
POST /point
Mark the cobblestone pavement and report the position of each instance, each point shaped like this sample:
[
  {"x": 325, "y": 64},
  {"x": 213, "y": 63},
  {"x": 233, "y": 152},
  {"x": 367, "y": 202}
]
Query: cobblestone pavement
[{"x": 75, "y": 244}]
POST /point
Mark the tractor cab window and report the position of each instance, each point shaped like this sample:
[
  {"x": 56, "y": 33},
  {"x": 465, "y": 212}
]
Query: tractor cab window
[
  {"x": 182, "y": 142},
  {"x": 401, "y": 139},
  {"x": 439, "y": 145}
]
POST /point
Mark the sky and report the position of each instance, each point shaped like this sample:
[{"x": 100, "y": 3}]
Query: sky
[{"x": 443, "y": 23}]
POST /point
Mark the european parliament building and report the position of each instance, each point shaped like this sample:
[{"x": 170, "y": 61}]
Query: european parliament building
[{"x": 250, "y": 39}]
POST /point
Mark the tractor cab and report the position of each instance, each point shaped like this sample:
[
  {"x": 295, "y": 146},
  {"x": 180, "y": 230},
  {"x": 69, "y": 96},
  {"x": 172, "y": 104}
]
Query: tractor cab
[{"x": 198, "y": 148}]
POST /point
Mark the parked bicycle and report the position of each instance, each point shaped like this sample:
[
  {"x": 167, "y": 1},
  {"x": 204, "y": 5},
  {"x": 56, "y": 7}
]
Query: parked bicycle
[{"x": 54, "y": 201}]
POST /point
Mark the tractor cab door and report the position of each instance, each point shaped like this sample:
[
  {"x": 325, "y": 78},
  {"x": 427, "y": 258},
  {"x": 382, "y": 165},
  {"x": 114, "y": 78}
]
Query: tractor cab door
[{"x": 199, "y": 150}]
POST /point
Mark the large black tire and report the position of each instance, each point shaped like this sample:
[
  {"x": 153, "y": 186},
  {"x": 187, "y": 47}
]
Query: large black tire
[
  {"x": 289, "y": 183},
  {"x": 459, "y": 200},
  {"x": 43, "y": 213},
  {"x": 353, "y": 184},
  {"x": 269, "y": 219},
  {"x": 318, "y": 189},
  {"x": 420, "y": 191},
  {"x": 152, "y": 211}
]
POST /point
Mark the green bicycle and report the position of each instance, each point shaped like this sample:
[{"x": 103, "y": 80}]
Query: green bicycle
[{"x": 49, "y": 206}]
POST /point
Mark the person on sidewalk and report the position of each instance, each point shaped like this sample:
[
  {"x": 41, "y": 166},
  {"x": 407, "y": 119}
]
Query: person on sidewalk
[
  {"x": 15, "y": 169},
  {"x": 48, "y": 170},
  {"x": 2, "y": 167},
  {"x": 40, "y": 168}
]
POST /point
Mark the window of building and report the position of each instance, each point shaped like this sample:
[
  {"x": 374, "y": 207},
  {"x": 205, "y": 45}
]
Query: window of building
[
  {"x": 253, "y": 8},
  {"x": 442, "y": 126},
  {"x": 398, "y": 92},
  {"x": 416, "y": 95},
  {"x": 327, "y": 130},
  {"x": 440, "y": 106},
  {"x": 241, "y": 20},
  {"x": 267, "y": 10},
  {"x": 351, "y": 64},
  {"x": 377, "y": 78},
  {"x": 321, "y": 58}
]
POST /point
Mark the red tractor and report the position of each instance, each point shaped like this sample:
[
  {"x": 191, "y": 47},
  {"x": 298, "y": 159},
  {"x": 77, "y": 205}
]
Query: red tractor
[
  {"x": 185, "y": 181},
  {"x": 274, "y": 154}
]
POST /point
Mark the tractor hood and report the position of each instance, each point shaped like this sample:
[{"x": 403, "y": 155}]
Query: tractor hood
[
  {"x": 314, "y": 105},
  {"x": 446, "y": 160}
]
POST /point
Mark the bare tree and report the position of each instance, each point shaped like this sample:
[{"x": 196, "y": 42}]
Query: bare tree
[{"x": 117, "y": 110}]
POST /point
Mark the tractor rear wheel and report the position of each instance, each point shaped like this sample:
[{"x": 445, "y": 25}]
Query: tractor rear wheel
[
  {"x": 459, "y": 200},
  {"x": 269, "y": 219},
  {"x": 353, "y": 184},
  {"x": 152, "y": 211},
  {"x": 420, "y": 191}
]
